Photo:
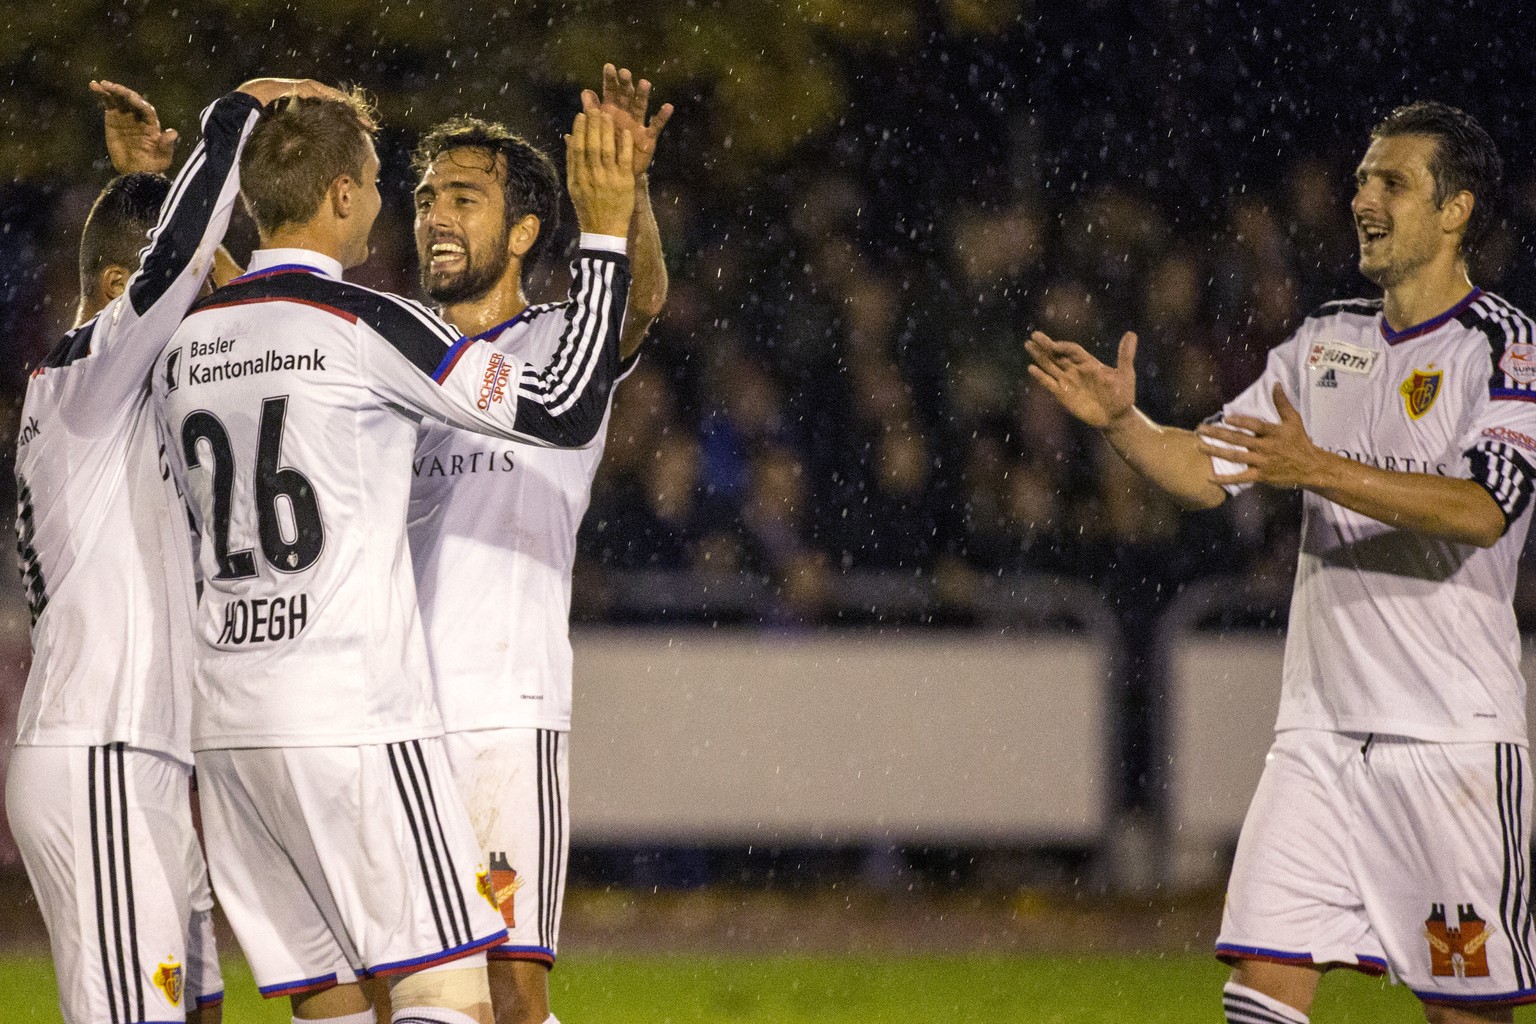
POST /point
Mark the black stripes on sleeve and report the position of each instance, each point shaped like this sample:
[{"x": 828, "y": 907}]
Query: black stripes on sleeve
[
  {"x": 563, "y": 403},
  {"x": 187, "y": 210},
  {"x": 1507, "y": 475}
]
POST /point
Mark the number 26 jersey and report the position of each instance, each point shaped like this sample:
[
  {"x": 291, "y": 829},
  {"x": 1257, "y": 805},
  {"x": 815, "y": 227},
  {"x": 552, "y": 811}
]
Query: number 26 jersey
[{"x": 291, "y": 402}]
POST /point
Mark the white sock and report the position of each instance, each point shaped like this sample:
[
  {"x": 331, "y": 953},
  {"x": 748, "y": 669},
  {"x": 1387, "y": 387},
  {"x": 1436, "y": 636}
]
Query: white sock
[
  {"x": 1245, "y": 1005},
  {"x": 429, "y": 1015},
  {"x": 551, "y": 1020},
  {"x": 361, "y": 1017}
]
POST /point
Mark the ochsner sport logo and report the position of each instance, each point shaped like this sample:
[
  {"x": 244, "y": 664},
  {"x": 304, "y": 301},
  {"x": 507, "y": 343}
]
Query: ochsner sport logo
[{"x": 494, "y": 383}]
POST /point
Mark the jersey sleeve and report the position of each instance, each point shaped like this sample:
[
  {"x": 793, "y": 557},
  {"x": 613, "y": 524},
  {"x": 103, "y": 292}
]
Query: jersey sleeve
[
  {"x": 421, "y": 364},
  {"x": 130, "y": 332},
  {"x": 1258, "y": 400},
  {"x": 1502, "y": 452}
]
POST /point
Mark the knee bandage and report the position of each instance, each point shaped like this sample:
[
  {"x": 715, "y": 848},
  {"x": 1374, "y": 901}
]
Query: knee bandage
[{"x": 453, "y": 994}]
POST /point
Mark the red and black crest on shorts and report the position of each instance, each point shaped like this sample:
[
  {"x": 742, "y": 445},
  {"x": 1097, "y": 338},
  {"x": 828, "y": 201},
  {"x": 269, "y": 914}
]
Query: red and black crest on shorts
[{"x": 1457, "y": 949}]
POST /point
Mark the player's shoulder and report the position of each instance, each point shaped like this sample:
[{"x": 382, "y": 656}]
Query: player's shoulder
[
  {"x": 73, "y": 347},
  {"x": 1500, "y": 321},
  {"x": 1345, "y": 309},
  {"x": 404, "y": 323}
]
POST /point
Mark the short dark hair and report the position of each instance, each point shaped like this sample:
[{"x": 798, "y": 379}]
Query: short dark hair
[
  {"x": 298, "y": 147},
  {"x": 1465, "y": 160},
  {"x": 115, "y": 232},
  {"x": 530, "y": 185}
]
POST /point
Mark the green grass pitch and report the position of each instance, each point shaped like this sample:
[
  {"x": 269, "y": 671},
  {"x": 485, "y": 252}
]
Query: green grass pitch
[{"x": 970, "y": 989}]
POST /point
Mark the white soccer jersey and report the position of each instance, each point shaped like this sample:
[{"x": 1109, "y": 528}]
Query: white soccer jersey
[
  {"x": 293, "y": 400},
  {"x": 1392, "y": 631},
  {"x": 97, "y": 520},
  {"x": 493, "y": 528}
]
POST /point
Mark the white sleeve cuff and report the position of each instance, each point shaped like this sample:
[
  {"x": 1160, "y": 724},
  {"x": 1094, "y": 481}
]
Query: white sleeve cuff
[{"x": 604, "y": 243}]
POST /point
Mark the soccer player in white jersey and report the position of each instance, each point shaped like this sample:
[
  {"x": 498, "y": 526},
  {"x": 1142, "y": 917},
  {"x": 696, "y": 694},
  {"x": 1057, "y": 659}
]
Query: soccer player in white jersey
[
  {"x": 493, "y": 528},
  {"x": 97, "y": 791},
  {"x": 1391, "y": 828},
  {"x": 338, "y": 845}
]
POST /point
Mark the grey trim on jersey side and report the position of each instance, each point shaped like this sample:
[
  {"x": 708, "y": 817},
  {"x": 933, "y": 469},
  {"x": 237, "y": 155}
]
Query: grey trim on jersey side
[
  {"x": 565, "y": 402},
  {"x": 1503, "y": 325},
  {"x": 175, "y": 239}
]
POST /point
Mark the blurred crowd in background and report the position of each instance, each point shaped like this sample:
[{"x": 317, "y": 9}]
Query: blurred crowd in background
[{"x": 838, "y": 383}]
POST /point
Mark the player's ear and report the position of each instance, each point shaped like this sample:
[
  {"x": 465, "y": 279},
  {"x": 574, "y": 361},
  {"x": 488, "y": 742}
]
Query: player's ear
[
  {"x": 112, "y": 281},
  {"x": 523, "y": 234},
  {"x": 1456, "y": 211},
  {"x": 341, "y": 195}
]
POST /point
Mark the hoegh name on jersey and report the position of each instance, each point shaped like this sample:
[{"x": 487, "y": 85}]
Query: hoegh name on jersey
[
  {"x": 259, "y": 620},
  {"x": 1398, "y": 463},
  {"x": 458, "y": 465},
  {"x": 268, "y": 362}
]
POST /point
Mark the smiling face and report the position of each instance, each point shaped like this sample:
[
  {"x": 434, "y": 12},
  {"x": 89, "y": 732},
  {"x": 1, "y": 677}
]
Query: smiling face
[
  {"x": 1400, "y": 228},
  {"x": 462, "y": 229}
]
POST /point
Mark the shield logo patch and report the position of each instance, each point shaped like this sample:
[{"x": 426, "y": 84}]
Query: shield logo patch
[{"x": 1420, "y": 390}]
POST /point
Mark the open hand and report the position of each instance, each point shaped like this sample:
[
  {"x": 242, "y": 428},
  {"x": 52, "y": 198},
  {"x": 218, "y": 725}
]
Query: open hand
[
  {"x": 628, "y": 103},
  {"x": 1279, "y": 454},
  {"x": 1088, "y": 389},
  {"x": 135, "y": 140},
  {"x": 600, "y": 174}
]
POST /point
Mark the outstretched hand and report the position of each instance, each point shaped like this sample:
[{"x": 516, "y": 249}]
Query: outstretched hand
[
  {"x": 1088, "y": 389},
  {"x": 600, "y": 174},
  {"x": 135, "y": 140},
  {"x": 628, "y": 103},
  {"x": 1279, "y": 454}
]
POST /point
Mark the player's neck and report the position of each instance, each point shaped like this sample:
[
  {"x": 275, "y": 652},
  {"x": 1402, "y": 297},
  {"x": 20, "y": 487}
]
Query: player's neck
[
  {"x": 504, "y": 301},
  {"x": 307, "y": 236},
  {"x": 1426, "y": 295}
]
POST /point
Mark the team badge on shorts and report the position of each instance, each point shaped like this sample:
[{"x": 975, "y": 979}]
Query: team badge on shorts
[
  {"x": 1457, "y": 949},
  {"x": 168, "y": 979},
  {"x": 504, "y": 885},
  {"x": 1421, "y": 389}
]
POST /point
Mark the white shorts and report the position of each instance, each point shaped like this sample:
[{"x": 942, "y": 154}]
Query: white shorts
[
  {"x": 1386, "y": 852},
  {"x": 335, "y": 863},
  {"x": 106, "y": 836},
  {"x": 515, "y": 784}
]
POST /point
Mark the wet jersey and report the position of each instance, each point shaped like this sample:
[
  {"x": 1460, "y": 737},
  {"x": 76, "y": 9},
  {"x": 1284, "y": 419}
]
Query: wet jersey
[
  {"x": 292, "y": 400},
  {"x": 1392, "y": 631},
  {"x": 493, "y": 528},
  {"x": 97, "y": 522}
]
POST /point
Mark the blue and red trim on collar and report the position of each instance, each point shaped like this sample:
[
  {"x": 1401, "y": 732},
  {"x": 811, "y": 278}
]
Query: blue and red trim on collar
[{"x": 1392, "y": 337}]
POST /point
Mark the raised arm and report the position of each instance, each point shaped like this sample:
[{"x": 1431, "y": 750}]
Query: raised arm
[
  {"x": 135, "y": 141},
  {"x": 628, "y": 103},
  {"x": 473, "y": 385},
  {"x": 1104, "y": 397}
]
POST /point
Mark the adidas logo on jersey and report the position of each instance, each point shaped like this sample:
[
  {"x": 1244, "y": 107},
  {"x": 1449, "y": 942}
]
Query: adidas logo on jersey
[{"x": 1328, "y": 380}]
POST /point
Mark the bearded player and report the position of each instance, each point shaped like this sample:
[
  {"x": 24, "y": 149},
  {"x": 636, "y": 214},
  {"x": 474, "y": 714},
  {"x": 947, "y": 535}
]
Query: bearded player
[
  {"x": 493, "y": 527},
  {"x": 1391, "y": 827}
]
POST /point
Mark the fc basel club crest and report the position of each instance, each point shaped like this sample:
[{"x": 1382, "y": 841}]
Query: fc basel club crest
[
  {"x": 1421, "y": 389},
  {"x": 168, "y": 979},
  {"x": 504, "y": 884},
  {"x": 1457, "y": 949}
]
